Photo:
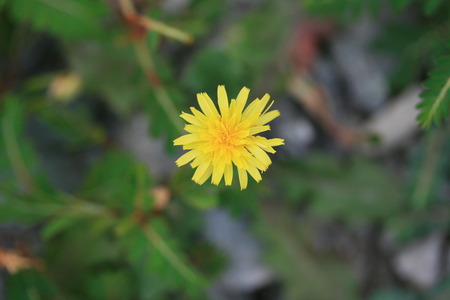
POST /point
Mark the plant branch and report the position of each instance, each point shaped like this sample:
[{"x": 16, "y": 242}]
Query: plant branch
[
  {"x": 158, "y": 242},
  {"x": 14, "y": 155},
  {"x": 146, "y": 62},
  {"x": 429, "y": 116}
]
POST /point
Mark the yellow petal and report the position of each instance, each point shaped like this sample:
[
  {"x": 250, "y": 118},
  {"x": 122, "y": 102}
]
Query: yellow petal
[
  {"x": 256, "y": 112},
  {"x": 241, "y": 99},
  {"x": 243, "y": 179},
  {"x": 267, "y": 117},
  {"x": 265, "y": 144},
  {"x": 223, "y": 101},
  {"x": 193, "y": 128},
  {"x": 186, "y": 139},
  {"x": 218, "y": 173},
  {"x": 190, "y": 119},
  {"x": 200, "y": 171},
  {"x": 205, "y": 175},
  {"x": 232, "y": 110},
  {"x": 187, "y": 157},
  {"x": 199, "y": 115},
  {"x": 257, "y": 129},
  {"x": 268, "y": 107},
  {"x": 192, "y": 145},
  {"x": 254, "y": 162},
  {"x": 207, "y": 105},
  {"x": 275, "y": 142},
  {"x": 260, "y": 154},
  {"x": 228, "y": 174},
  {"x": 198, "y": 160},
  {"x": 250, "y": 108},
  {"x": 254, "y": 173},
  {"x": 239, "y": 161}
]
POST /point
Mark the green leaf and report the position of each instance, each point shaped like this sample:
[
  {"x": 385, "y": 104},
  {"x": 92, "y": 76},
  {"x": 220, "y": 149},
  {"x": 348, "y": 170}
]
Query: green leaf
[
  {"x": 111, "y": 285},
  {"x": 304, "y": 272},
  {"x": 342, "y": 9},
  {"x": 30, "y": 285},
  {"x": 357, "y": 191},
  {"x": 74, "y": 126},
  {"x": 441, "y": 291},
  {"x": 99, "y": 62},
  {"x": 17, "y": 154},
  {"x": 152, "y": 250},
  {"x": 68, "y": 19},
  {"x": 393, "y": 294},
  {"x": 118, "y": 181},
  {"x": 26, "y": 211},
  {"x": 431, "y": 6},
  {"x": 202, "y": 200},
  {"x": 399, "y": 5},
  {"x": 429, "y": 167},
  {"x": 435, "y": 103},
  {"x": 58, "y": 225},
  {"x": 213, "y": 67}
]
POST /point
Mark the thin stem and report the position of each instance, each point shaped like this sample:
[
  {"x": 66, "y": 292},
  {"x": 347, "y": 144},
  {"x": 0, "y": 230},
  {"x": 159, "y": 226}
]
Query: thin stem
[
  {"x": 430, "y": 164},
  {"x": 163, "y": 98},
  {"x": 159, "y": 243},
  {"x": 140, "y": 186},
  {"x": 166, "y": 30},
  {"x": 13, "y": 151},
  {"x": 127, "y": 7},
  {"x": 437, "y": 103},
  {"x": 147, "y": 65}
]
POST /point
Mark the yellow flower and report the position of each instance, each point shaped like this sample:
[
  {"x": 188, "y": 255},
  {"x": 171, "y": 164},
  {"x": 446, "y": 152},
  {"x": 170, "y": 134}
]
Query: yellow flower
[{"x": 217, "y": 140}]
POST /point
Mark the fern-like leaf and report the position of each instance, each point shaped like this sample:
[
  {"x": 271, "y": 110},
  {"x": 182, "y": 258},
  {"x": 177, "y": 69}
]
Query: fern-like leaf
[{"x": 436, "y": 98}]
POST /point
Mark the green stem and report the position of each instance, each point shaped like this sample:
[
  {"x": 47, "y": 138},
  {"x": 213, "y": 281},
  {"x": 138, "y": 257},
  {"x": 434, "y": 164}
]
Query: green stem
[
  {"x": 163, "y": 98},
  {"x": 14, "y": 155},
  {"x": 140, "y": 189},
  {"x": 171, "y": 257},
  {"x": 429, "y": 166},
  {"x": 437, "y": 103}
]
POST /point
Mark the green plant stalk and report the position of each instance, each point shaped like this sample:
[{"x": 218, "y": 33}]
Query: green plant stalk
[
  {"x": 91, "y": 209},
  {"x": 140, "y": 189},
  {"x": 148, "y": 67},
  {"x": 13, "y": 152},
  {"x": 163, "y": 98},
  {"x": 166, "y": 30},
  {"x": 159, "y": 243},
  {"x": 429, "y": 117},
  {"x": 429, "y": 166}
]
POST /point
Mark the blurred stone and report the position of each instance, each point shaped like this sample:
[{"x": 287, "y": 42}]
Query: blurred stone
[
  {"x": 396, "y": 123},
  {"x": 296, "y": 130},
  {"x": 134, "y": 137},
  {"x": 175, "y": 7},
  {"x": 324, "y": 70},
  {"x": 419, "y": 263},
  {"x": 362, "y": 71},
  {"x": 245, "y": 274}
]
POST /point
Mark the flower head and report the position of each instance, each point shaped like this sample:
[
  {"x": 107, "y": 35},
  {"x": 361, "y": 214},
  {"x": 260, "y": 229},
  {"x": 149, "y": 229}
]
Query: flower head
[{"x": 219, "y": 139}]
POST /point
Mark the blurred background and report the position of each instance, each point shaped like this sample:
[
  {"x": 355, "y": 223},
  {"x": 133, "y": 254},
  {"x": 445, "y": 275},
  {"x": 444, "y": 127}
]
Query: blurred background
[{"x": 355, "y": 206}]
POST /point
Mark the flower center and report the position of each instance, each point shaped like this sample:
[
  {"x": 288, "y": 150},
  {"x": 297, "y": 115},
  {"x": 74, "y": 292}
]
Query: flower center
[{"x": 226, "y": 138}]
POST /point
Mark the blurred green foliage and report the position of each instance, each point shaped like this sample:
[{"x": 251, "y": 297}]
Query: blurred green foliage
[
  {"x": 411, "y": 44},
  {"x": 111, "y": 237}
]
